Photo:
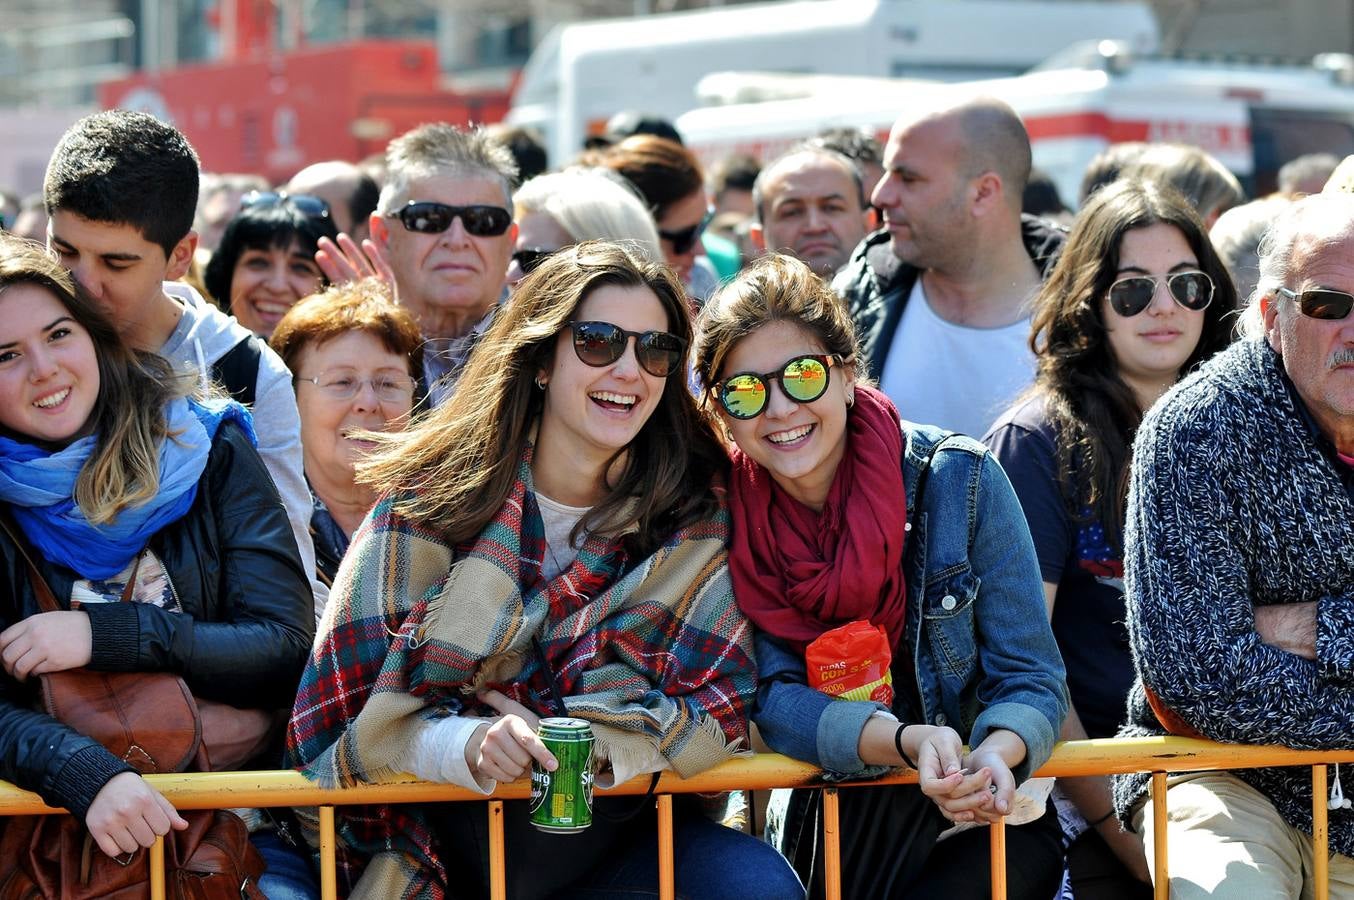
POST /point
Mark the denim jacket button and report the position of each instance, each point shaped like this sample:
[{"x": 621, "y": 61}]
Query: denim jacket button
[
  {"x": 940, "y": 719},
  {"x": 948, "y": 602}
]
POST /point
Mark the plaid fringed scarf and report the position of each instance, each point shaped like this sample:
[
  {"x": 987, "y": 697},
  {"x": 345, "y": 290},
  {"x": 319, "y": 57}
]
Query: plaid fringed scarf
[{"x": 653, "y": 654}]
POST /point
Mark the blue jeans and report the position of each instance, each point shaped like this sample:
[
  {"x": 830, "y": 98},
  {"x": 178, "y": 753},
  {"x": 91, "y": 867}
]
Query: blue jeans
[
  {"x": 288, "y": 875},
  {"x": 616, "y": 858}
]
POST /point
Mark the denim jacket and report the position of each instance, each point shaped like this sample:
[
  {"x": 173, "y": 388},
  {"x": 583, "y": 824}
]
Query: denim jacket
[{"x": 984, "y": 652}]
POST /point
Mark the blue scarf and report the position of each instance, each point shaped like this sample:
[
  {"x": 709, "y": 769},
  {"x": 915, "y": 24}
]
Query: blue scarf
[{"x": 40, "y": 488}]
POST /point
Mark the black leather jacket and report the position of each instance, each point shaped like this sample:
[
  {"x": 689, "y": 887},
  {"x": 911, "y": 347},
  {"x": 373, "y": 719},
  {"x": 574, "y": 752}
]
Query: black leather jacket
[
  {"x": 876, "y": 284},
  {"x": 242, "y": 638}
]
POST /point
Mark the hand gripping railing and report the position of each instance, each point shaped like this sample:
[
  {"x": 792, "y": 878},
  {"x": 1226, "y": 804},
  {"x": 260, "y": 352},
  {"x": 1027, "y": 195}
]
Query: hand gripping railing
[{"x": 1160, "y": 756}]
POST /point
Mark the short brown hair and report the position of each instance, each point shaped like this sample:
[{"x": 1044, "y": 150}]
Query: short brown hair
[
  {"x": 775, "y": 288},
  {"x": 365, "y": 305}
]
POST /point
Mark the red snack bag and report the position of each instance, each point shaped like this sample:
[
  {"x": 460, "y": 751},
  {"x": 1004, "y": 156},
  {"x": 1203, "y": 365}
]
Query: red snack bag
[{"x": 851, "y": 662}]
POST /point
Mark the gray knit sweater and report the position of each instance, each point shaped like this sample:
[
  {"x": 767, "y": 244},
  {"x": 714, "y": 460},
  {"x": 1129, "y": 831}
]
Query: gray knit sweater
[{"x": 1233, "y": 504}]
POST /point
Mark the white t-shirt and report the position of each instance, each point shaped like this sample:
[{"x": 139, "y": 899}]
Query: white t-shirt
[{"x": 959, "y": 378}]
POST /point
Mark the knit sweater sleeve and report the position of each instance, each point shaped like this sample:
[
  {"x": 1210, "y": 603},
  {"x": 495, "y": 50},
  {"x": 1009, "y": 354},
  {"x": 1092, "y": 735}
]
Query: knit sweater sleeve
[{"x": 1190, "y": 611}]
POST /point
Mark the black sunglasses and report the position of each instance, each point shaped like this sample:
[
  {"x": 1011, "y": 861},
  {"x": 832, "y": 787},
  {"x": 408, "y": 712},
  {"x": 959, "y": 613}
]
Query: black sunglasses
[
  {"x": 431, "y": 217},
  {"x": 601, "y": 344},
  {"x": 1192, "y": 290},
  {"x": 682, "y": 241},
  {"x": 307, "y": 204},
  {"x": 1320, "y": 303},
  {"x": 528, "y": 259},
  {"x": 803, "y": 379}
]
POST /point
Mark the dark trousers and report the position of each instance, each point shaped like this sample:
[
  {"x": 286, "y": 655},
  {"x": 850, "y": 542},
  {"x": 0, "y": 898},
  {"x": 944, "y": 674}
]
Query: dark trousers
[
  {"x": 889, "y": 849},
  {"x": 616, "y": 857},
  {"x": 1097, "y": 873}
]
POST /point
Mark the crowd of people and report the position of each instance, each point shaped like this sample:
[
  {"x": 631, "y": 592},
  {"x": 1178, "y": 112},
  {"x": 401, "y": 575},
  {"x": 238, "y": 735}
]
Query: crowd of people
[{"x": 392, "y": 461}]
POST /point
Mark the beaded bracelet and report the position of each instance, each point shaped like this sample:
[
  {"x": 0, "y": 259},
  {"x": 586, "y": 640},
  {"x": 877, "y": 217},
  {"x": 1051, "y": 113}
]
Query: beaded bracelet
[{"x": 898, "y": 745}]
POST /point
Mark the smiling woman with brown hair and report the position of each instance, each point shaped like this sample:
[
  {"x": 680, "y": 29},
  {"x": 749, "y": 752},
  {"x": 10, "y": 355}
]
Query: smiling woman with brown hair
[{"x": 551, "y": 541}]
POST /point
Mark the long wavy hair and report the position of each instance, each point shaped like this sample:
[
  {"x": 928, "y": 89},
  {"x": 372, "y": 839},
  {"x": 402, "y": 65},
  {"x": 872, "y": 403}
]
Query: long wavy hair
[
  {"x": 453, "y": 470},
  {"x": 129, "y": 414},
  {"x": 1093, "y": 411}
]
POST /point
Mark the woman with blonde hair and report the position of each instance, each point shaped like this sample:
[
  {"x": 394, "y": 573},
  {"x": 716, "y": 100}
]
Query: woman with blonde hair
[{"x": 550, "y": 541}]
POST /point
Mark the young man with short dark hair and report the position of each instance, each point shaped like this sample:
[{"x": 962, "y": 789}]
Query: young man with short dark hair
[{"x": 121, "y": 189}]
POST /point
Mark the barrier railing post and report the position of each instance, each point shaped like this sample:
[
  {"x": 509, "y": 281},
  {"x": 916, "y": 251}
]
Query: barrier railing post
[
  {"x": 157, "y": 869},
  {"x": 1320, "y": 835},
  {"x": 998, "y": 840},
  {"x": 328, "y": 855},
  {"x": 832, "y": 848},
  {"x": 667, "y": 889},
  {"x": 1161, "y": 876},
  {"x": 498, "y": 857}
]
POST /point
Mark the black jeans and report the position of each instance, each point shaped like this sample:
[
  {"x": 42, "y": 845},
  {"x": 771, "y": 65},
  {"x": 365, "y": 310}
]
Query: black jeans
[{"x": 889, "y": 849}]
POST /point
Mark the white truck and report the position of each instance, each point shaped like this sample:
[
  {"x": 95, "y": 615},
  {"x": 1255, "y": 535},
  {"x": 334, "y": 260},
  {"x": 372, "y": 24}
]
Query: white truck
[
  {"x": 1253, "y": 116},
  {"x": 581, "y": 74}
]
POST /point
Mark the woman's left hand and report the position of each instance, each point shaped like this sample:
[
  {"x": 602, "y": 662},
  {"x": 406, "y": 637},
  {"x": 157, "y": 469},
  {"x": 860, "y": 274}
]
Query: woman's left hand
[{"x": 47, "y": 642}]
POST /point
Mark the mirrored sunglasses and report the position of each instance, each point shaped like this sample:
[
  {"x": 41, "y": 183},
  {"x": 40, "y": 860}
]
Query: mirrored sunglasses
[
  {"x": 1320, "y": 303},
  {"x": 430, "y": 217},
  {"x": 683, "y": 240},
  {"x": 601, "y": 344},
  {"x": 1130, "y": 296},
  {"x": 307, "y": 204},
  {"x": 803, "y": 379}
]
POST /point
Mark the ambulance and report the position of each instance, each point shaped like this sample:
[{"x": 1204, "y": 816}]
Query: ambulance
[{"x": 1253, "y": 116}]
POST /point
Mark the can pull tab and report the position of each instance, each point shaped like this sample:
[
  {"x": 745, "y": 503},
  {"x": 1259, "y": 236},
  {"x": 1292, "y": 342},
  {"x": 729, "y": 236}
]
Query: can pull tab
[{"x": 1337, "y": 793}]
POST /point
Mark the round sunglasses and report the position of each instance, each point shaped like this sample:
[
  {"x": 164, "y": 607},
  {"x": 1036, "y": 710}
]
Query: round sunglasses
[
  {"x": 803, "y": 379},
  {"x": 599, "y": 344},
  {"x": 431, "y": 217},
  {"x": 1130, "y": 296},
  {"x": 1320, "y": 303}
]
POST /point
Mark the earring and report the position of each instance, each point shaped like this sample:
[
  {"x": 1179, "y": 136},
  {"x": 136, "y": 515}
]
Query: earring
[{"x": 540, "y": 382}]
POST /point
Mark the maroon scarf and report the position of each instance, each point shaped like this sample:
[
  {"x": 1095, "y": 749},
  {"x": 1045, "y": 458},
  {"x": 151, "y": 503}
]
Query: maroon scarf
[{"x": 798, "y": 573}]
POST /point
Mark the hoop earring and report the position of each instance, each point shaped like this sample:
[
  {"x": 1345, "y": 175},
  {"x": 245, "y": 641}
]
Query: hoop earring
[{"x": 540, "y": 383}]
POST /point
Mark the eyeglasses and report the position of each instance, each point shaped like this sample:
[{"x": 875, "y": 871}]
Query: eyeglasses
[
  {"x": 528, "y": 259},
  {"x": 307, "y": 204},
  {"x": 345, "y": 386},
  {"x": 430, "y": 217},
  {"x": 682, "y": 241},
  {"x": 601, "y": 344},
  {"x": 1320, "y": 303},
  {"x": 1130, "y": 296},
  {"x": 803, "y": 379}
]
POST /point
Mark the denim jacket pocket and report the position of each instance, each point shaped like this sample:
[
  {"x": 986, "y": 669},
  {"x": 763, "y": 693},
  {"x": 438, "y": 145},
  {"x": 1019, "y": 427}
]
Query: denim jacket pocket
[{"x": 947, "y": 617}]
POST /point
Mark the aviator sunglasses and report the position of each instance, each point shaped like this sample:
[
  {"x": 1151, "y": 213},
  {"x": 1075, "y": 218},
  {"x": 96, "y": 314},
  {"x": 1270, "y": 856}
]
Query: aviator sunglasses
[
  {"x": 803, "y": 379},
  {"x": 1130, "y": 296},
  {"x": 431, "y": 217},
  {"x": 682, "y": 241},
  {"x": 1320, "y": 303},
  {"x": 600, "y": 344}
]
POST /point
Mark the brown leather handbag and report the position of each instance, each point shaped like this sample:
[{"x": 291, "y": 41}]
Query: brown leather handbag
[{"x": 150, "y": 720}]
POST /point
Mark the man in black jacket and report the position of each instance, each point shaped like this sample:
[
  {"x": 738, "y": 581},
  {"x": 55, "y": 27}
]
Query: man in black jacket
[{"x": 941, "y": 294}]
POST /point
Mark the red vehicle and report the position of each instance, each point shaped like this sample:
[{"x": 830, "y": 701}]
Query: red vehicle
[{"x": 279, "y": 112}]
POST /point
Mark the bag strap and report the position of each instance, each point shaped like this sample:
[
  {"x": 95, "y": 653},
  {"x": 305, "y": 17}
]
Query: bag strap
[{"x": 43, "y": 592}]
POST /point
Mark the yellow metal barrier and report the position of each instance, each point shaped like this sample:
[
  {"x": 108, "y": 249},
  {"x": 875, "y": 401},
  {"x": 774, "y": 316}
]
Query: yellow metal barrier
[{"x": 1160, "y": 756}]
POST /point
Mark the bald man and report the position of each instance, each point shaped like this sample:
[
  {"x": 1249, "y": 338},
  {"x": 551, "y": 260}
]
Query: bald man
[
  {"x": 941, "y": 293},
  {"x": 350, "y": 192}
]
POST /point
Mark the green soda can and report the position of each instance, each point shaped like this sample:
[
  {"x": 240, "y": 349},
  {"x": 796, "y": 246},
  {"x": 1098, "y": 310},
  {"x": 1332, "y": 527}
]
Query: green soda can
[{"x": 561, "y": 801}]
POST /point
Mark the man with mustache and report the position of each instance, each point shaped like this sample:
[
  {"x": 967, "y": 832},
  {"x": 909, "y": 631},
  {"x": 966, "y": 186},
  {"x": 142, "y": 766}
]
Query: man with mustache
[
  {"x": 941, "y": 294},
  {"x": 1239, "y": 571}
]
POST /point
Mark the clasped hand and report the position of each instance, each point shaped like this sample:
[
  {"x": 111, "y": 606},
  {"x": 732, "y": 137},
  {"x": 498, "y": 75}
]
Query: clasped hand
[{"x": 977, "y": 787}]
